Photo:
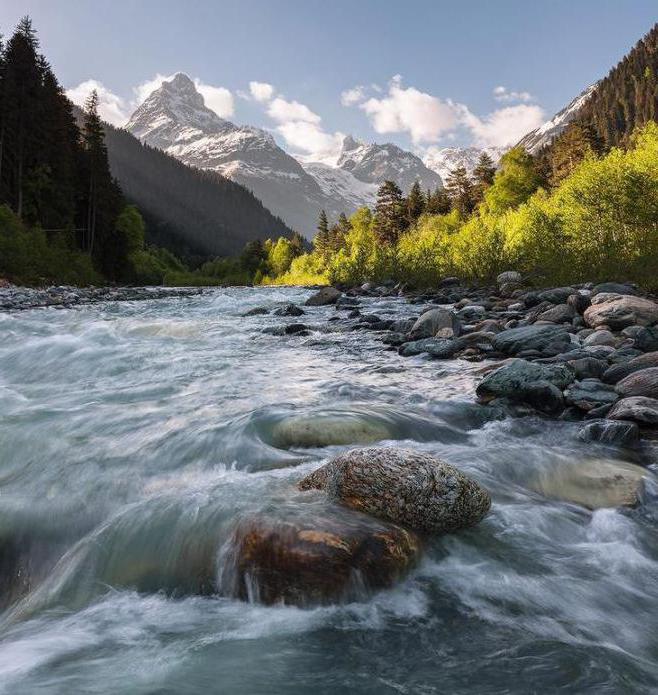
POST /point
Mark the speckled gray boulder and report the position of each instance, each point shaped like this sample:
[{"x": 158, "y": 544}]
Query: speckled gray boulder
[{"x": 403, "y": 486}]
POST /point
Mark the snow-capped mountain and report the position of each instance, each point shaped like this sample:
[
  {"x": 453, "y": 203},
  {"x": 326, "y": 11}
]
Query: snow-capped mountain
[
  {"x": 373, "y": 163},
  {"x": 340, "y": 184},
  {"x": 542, "y": 136},
  {"x": 175, "y": 118},
  {"x": 443, "y": 160}
]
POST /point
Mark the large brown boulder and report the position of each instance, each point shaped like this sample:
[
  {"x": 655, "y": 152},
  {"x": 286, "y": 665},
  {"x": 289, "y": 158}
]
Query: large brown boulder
[
  {"x": 337, "y": 555},
  {"x": 403, "y": 486},
  {"x": 617, "y": 372},
  {"x": 620, "y": 310}
]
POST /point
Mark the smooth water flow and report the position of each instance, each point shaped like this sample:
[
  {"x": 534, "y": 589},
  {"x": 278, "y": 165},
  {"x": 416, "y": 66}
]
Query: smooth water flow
[{"x": 133, "y": 437}]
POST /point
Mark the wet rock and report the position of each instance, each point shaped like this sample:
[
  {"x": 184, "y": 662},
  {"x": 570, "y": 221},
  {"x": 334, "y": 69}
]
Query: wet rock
[
  {"x": 509, "y": 276},
  {"x": 611, "y": 432},
  {"x": 436, "y": 347},
  {"x": 347, "y": 303},
  {"x": 327, "y": 295},
  {"x": 638, "y": 408},
  {"x": 296, "y": 329},
  {"x": 514, "y": 379},
  {"x": 289, "y": 310},
  {"x": 617, "y": 372},
  {"x": 560, "y": 313},
  {"x": 335, "y": 556},
  {"x": 546, "y": 340},
  {"x": 618, "y": 311},
  {"x": 602, "y": 337},
  {"x": 588, "y": 368},
  {"x": 578, "y": 302},
  {"x": 646, "y": 339},
  {"x": 403, "y": 486},
  {"x": 557, "y": 295},
  {"x": 402, "y": 325},
  {"x": 395, "y": 339},
  {"x": 327, "y": 429},
  {"x": 590, "y": 393},
  {"x": 643, "y": 382},
  {"x": 614, "y": 288},
  {"x": 594, "y": 484},
  {"x": 256, "y": 311},
  {"x": 429, "y": 323}
]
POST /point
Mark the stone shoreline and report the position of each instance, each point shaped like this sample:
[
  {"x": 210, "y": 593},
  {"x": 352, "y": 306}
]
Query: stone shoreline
[{"x": 18, "y": 298}]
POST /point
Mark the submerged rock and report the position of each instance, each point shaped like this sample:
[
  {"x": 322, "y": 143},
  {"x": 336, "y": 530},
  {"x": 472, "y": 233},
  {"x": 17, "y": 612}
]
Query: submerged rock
[
  {"x": 618, "y": 311},
  {"x": 614, "y": 433},
  {"x": 595, "y": 484},
  {"x": 327, "y": 295},
  {"x": 403, "y": 486},
  {"x": 310, "y": 431},
  {"x": 257, "y": 311},
  {"x": 326, "y": 558}
]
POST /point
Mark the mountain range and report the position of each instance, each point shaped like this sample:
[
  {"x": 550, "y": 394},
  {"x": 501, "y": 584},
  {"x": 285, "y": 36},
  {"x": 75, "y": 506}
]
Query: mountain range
[{"x": 174, "y": 118}]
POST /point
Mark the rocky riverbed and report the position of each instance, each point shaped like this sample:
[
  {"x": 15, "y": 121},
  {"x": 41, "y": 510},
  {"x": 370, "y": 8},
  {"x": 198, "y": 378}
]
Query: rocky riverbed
[{"x": 283, "y": 490}]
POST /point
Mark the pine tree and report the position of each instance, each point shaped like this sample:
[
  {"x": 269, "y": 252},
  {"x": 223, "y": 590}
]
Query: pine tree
[
  {"x": 438, "y": 203},
  {"x": 459, "y": 188},
  {"x": 574, "y": 144},
  {"x": 390, "y": 213},
  {"x": 19, "y": 116},
  {"x": 483, "y": 176},
  {"x": 321, "y": 239},
  {"x": 415, "y": 203},
  {"x": 338, "y": 232}
]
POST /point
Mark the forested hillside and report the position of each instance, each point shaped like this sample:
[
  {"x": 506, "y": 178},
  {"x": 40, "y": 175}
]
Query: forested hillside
[{"x": 189, "y": 211}]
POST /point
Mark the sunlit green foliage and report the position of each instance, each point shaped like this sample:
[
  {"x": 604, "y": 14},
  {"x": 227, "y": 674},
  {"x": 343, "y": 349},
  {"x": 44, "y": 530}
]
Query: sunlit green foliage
[{"x": 600, "y": 223}]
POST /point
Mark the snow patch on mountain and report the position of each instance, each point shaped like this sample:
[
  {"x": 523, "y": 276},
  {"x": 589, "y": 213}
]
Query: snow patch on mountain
[{"x": 341, "y": 184}]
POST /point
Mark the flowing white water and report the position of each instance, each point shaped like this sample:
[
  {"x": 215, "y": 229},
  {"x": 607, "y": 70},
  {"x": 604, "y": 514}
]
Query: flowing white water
[{"x": 133, "y": 436}]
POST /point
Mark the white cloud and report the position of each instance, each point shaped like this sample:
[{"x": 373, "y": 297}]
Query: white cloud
[
  {"x": 283, "y": 111},
  {"x": 503, "y": 127},
  {"x": 312, "y": 140},
  {"x": 219, "y": 99},
  {"x": 503, "y": 94},
  {"x": 261, "y": 91},
  {"x": 422, "y": 115},
  {"x": 111, "y": 107},
  {"x": 352, "y": 96}
]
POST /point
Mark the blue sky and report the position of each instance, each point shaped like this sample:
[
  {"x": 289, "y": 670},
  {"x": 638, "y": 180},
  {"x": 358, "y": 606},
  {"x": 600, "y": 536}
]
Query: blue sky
[{"x": 427, "y": 69}]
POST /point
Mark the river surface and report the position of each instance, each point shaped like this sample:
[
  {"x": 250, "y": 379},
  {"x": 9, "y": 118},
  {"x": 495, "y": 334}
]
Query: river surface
[{"x": 132, "y": 437}]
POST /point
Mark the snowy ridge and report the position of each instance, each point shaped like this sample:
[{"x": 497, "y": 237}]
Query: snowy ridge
[
  {"x": 444, "y": 160},
  {"x": 542, "y": 136}
]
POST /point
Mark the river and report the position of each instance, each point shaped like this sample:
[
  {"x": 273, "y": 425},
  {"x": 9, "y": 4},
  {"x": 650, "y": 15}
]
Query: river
[{"x": 133, "y": 435}]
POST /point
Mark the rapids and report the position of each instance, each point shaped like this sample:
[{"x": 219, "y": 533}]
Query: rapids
[{"x": 133, "y": 436}]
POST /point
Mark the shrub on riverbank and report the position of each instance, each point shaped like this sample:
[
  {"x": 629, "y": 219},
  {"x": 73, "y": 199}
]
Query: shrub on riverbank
[{"x": 599, "y": 223}]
